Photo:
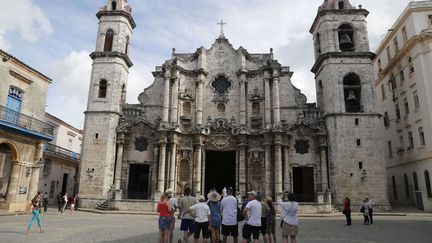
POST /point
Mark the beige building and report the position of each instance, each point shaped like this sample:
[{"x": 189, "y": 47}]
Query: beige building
[
  {"x": 403, "y": 67},
  {"x": 23, "y": 132},
  {"x": 222, "y": 116},
  {"x": 61, "y": 158}
]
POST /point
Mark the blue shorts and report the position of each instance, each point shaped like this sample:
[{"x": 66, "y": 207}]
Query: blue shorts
[
  {"x": 164, "y": 222},
  {"x": 187, "y": 225}
]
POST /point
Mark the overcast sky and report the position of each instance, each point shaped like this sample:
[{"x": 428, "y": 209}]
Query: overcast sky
[{"x": 56, "y": 38}]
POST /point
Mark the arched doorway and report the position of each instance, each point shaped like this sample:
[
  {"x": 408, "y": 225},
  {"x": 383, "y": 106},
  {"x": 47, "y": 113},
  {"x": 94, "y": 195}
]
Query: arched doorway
[{"x": 7, "y": 155}]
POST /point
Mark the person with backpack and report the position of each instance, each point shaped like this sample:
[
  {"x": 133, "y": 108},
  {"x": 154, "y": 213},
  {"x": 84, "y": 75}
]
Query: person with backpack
[
  {"x": 216, "y": 216},
  {"x": 271, "y": 221},
  {"x": 36, "y": 205}
]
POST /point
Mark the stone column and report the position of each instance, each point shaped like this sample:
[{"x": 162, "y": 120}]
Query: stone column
[
  {"x": 199, "y": 100},
  {"x": 276, "y": 100},
  {"x": 173, "y": 161},
  {"x": 243, "y": 99},
  {"x": 197, "y": 172},
  {"x": 278, "y": 167},
  {"x": 267, "y": 168},
  {"x": 2, "y": 164},
  {"x": 34, "y": 181},
  {"x": 323, "y": 157},
  {"x": 119, "y": 161},
  {"x": 161, "y": 176},
  {"x": 287, "y": 169},
  {"x": 13, "y": 182},
  {"x": 174, "y": 99},
  {"x": 267, "y": 104},
  {"x": 242, "y": 166},
  {"x": 165, "y": 107},
  {"x": 154, "y": 181}
]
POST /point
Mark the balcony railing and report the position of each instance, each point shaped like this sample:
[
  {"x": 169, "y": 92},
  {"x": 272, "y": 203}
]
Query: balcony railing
[
  {"x": 59, "y": 151},
  {"x": 24, "y": 121}
]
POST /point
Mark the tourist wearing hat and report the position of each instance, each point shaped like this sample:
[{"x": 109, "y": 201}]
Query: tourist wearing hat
[
  {"x": 252, "y": 212},
  {"x": 216, "y": 218},
  {"x": 201, "y": 213},
  {"x": 229, "y": 206}
]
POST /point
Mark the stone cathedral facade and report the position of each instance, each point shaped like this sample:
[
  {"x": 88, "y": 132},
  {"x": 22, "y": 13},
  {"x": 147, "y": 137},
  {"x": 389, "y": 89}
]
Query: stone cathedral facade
[{"x": 222, "y": 116}]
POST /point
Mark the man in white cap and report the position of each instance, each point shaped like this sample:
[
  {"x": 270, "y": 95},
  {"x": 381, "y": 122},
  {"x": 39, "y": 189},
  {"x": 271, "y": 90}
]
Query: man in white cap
[
  {"x": 229, "y": 216},
  {"x": 252, "y": 214},
  {"x": 173, "y": 205},
  {"x": 201, "y": 213}
]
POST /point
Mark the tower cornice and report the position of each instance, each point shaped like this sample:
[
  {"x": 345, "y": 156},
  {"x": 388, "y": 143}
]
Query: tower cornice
[
  {"x": 105, "y": 54},
  {"x": 324, "y": 12},
  {"x": 125, "y": 14},
  {"x": 328, "y": 55}
]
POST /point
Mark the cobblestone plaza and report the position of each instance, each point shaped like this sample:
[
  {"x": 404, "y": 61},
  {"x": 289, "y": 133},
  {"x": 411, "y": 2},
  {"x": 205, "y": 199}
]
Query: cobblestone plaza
[{"x": 92, "y": 227}]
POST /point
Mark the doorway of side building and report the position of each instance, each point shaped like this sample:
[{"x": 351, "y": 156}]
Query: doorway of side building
[
  {"x": 64, "y": 183},
  {"x": 5, "y": 168},
  {"x": 303, "y": 183},
  {"x": 138, "y": 187},
  {"x": 220, "y": 170}
]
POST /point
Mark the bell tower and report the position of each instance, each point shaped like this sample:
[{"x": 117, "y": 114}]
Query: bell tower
[
  {"x": 345, "y": 94},
  {"x": 107, "y": 93}
]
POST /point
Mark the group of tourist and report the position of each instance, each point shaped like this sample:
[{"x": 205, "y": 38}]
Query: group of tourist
[
  {"x": 366, "y": 209},
  {"x": 221, "y": 214}
]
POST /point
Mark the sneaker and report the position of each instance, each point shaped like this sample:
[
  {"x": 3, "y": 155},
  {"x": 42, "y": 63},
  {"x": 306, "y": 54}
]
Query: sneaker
[{"x": 27, "y": 232}]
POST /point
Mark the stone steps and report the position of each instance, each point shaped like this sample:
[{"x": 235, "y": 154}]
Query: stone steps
[{"x": 103, "y": 206}]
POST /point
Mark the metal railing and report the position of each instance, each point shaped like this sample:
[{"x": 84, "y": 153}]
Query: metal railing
[
  {"x": 25, "y": 121},
  {"x": 56, "y": 150}
]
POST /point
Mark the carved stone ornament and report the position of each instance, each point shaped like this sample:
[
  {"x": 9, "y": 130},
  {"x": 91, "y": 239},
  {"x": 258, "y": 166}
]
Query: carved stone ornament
[
  {"x": 302, "y": 146},
  {"x": 256, "y": 95},
  {"x": 186, "y": 95},
  {"x": 301, "y": 100},
  {"x": 141, "y": 144}
]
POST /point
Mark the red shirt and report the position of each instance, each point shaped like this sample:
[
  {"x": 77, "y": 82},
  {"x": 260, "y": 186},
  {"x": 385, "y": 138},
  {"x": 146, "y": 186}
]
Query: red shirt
[
  {"x": 163, "y": 209},
  {"x": 347, "y": 205}
]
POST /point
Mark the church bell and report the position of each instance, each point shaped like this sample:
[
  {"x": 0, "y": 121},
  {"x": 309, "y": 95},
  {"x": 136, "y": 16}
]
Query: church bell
[{"x": 346, "y": 42}]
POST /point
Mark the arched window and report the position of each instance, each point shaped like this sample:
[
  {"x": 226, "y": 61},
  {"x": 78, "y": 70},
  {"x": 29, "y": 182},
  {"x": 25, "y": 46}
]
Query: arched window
[
  {"x": 394, "y": 187},
  {"x": 221, "y": 109},
  {"x": 341, "y": 4},
  {"x": 416, "y": 187},
  {"x": 187, "y": 109},
  {"x": 109, "y": 36},
  {"x": 428, "y": 184},
  {"x": 114, "y": 5},
  {"x": 407, "y": 193},
  {"x": 352, "y": 92},
  {"x": 346, "y": 37},
  {"x": 127, "y": 45},
  {"x": 103, "y": 84},
  {"x": 256, "y": 108}
]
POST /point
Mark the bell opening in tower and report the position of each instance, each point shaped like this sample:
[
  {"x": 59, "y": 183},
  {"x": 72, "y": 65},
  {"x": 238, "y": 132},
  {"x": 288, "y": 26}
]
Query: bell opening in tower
[{"x": 220, "y": 170}]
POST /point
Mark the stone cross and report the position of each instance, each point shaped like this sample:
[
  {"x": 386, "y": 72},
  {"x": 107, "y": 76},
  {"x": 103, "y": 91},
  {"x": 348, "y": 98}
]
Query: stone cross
[{"x": 222, "y": 24}]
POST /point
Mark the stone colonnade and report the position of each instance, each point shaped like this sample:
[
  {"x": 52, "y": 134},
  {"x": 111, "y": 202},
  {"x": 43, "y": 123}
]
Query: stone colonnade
[{"x": 17, "y": 178}]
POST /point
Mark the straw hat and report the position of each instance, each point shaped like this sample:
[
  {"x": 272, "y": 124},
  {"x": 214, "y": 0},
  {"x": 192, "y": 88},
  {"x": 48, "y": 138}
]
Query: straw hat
[{"x": 214, "y": 196}]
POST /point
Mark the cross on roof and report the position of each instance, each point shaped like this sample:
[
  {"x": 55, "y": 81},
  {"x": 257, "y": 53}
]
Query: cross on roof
[{"x": 221, "y": 23}]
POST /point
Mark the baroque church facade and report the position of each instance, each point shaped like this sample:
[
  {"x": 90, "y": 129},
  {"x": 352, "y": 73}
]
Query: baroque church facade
[{"x": 222, "y": 117}]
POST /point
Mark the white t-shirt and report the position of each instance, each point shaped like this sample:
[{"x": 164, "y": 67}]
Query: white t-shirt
[
  {"x": 289, "y": 212},
  {"x": 65, "y": 198},
  {"x": 254, "y": 211},
  {"x": 229, "y": 210},
  {"x": 202, "y": 211}
]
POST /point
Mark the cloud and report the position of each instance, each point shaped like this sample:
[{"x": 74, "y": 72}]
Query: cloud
[
  {"x": 24, "y": 18},
  {"x": 67, "y": 96}
]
